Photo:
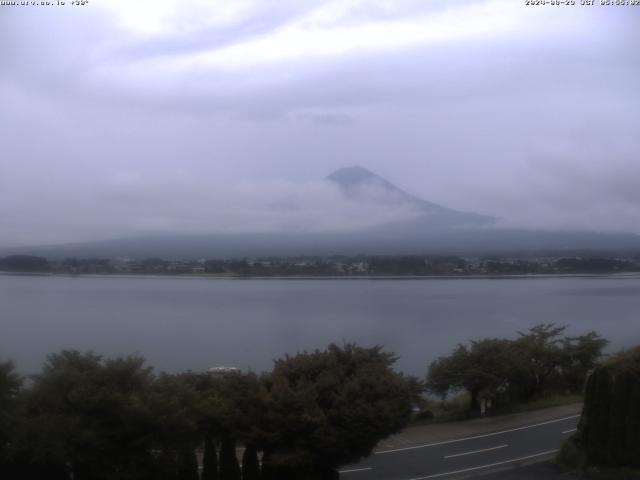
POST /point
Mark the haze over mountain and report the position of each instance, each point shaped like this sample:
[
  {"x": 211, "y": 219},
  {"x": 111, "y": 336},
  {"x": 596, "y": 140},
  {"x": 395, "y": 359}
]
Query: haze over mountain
[
  {"x": 407, "y": 224},
  {"x": 359, "y": 183}
]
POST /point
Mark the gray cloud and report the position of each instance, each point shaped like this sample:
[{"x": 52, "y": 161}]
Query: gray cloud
[
  {"x": 112, "y": 126},
  {"x": 136, "y": 204}
]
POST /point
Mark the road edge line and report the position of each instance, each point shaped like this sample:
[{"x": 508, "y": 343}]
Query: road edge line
[{"x": 474, "y": 437}]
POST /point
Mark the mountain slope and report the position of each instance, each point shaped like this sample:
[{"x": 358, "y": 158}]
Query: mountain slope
[{"x": 360, "y": 183}]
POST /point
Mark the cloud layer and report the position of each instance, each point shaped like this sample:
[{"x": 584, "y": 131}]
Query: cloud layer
[{"x": 123, "y": 117}]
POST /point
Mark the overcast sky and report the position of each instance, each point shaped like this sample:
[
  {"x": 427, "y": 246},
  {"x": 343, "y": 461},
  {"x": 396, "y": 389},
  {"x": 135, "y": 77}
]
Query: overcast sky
[{"x": 124, "y": 117}]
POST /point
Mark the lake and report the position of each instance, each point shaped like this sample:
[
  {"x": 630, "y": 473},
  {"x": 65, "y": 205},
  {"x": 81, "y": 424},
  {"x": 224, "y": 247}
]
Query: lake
[{"x": 196, "y": 323}]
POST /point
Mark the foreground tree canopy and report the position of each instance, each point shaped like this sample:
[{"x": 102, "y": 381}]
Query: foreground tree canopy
[
  {"x": 504, "y": 371},
  {"x": 609, "y": 429},
  {"x": 326, "y": 409},
  {"x": 87, "y": 417}
]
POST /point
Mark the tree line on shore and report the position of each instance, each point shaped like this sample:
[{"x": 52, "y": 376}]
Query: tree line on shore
[
  {"x": 416, "y": 265},
  {"x": 88, "y": 417},
  {"x": 496, "y": 372}
]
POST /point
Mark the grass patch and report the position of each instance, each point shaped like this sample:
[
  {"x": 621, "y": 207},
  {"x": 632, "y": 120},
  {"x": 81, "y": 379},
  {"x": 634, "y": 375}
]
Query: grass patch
[
  {"x": 571, "y": 455},
  {"x": 542, "y": 403},
  {"x": 456, "y": 408}
]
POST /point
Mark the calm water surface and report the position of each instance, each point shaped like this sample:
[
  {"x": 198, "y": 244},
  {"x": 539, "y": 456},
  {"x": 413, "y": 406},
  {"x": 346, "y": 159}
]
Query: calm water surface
[{"x": 195, "y": 323}]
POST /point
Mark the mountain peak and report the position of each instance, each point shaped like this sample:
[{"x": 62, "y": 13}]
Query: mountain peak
[{"x": 352, "y": 176}]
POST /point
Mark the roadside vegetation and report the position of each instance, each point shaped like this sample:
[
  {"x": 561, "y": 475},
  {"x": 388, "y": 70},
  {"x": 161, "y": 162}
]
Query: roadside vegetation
[
  {"x": 607, "y": 441},
  {"x": 91, "y": 418},
  {"x": 456, "y": 407},
  {"x": 541, "y": 367}
]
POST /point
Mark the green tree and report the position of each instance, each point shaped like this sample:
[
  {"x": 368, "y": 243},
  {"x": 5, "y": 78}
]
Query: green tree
[
  {"x": 484, "y": 369},
  {"x": 187, "y": 464},
  {"x": 165, "y": 466},
  {"x": 506, "y": 370},
  {"x": 447, "y": 373},
  {"x": 228, "y": 409},
  {"x": 229, "y": 467},
  {"x": 91, "y": 414},
  {"x": 540, "y": 354},
  {"x": 250, "y": 464},
  {"x": 599, "y": 398},
  {"x": 10, "y": 383},
  {"x": 328, "y": 408},
  {"x": 173, "y": 403},
  {"x": 609, "y": 429},
  {"x": 581, "y": 356},
  {"x": 209, "y": 459}
]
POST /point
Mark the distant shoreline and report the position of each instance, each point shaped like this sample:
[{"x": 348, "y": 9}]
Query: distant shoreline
[{"x": 624, "y": 275}]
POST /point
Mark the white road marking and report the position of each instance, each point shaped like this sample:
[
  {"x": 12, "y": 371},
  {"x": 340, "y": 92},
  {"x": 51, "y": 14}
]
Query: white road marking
[
  {"x": 476, "y": 451},
  {"x": 355, "y": 470},
  {"x": 569, "y": 431},
  {"x": 548, "y": 452},
  {"x": 446, "y": 442}
]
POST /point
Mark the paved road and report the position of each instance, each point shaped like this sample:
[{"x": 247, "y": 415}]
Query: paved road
[{"x": 462, "y": 457}]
